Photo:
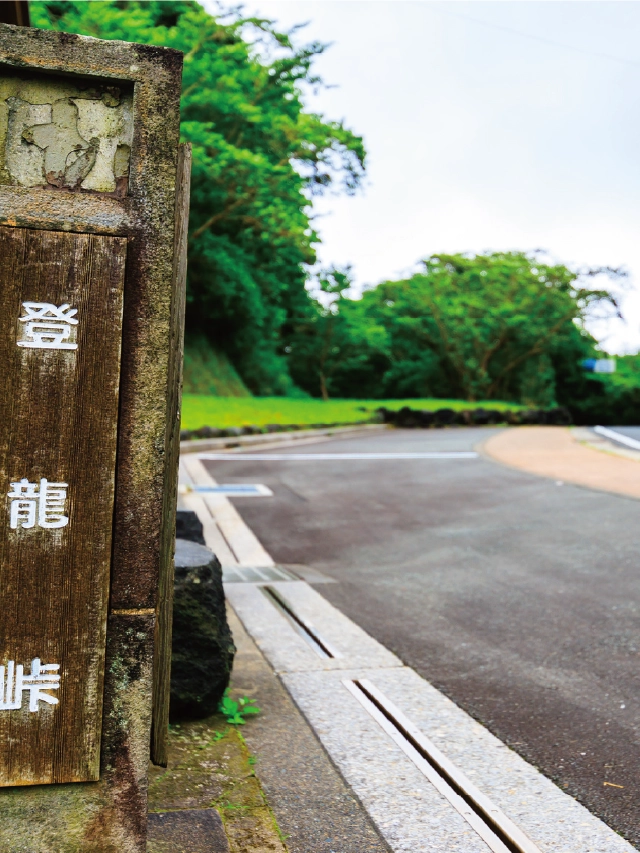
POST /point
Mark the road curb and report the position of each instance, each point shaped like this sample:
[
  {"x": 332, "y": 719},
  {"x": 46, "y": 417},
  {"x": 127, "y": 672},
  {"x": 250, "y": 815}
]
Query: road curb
[{"x": 199, "y": 445}]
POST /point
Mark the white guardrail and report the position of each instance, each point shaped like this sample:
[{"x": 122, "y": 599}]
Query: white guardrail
[{"x": 613, "y": 435}]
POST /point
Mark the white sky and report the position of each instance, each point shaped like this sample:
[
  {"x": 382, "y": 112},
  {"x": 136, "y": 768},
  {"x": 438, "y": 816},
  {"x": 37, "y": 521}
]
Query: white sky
[{"x": 488, "y": 125}]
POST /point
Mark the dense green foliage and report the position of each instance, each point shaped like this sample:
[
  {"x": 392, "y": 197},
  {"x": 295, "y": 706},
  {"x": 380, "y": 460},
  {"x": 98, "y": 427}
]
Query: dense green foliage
[
  {"x": 258, "y": 160},
  {"x": 609, "y": 399},
  {"x": 336, "y": 341},
  {"x": 498, "y": 326}
]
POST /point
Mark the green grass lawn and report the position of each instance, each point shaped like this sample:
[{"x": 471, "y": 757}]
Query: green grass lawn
[{"x": 200, "y": 410}]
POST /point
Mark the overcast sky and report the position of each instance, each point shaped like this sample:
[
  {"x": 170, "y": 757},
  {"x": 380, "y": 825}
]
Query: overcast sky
[{"x": 488, "y": 125}]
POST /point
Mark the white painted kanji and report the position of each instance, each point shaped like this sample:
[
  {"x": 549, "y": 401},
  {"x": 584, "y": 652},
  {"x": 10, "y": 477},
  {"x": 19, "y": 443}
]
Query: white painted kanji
[
  {"x": 14, "y": 683},
  {"x": 41, "y": 504},
  {"x": 48, "y": 326}
]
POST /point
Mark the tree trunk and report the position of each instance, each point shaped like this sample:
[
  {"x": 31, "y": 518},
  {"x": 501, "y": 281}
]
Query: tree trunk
[{"x": 323, "y": 387}]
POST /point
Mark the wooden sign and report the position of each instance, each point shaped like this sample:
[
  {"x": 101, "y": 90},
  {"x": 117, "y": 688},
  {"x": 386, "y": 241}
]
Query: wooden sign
[
  {"x": 93, "y": 210},
  {"x": 60, "y": 339}
]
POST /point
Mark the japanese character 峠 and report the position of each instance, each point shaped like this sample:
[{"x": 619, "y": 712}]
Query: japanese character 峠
[
  {"x": 48, "y": 326},
  {"x": 14, "y": 682},
  {"x": 40, "y": 504}
]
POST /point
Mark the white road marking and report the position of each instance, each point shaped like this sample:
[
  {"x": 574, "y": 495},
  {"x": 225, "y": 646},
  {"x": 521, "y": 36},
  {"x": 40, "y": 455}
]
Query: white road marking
[
  {"x": 614, "y": 435},
  {"x": 314, "y": 457},
  {"x": 245, "y": 490}
]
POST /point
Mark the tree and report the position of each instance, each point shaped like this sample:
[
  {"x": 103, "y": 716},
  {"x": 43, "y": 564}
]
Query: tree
[
  {"x": 492, "y": 326},
  {"x": 259, "y": 158},
  {"x": 329, "y": 340}
]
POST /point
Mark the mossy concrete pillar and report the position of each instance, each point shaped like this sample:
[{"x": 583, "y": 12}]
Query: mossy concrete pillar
[{"x": 93, "y": 211}]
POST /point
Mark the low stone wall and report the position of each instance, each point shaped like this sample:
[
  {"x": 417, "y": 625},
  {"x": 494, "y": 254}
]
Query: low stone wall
[
  {"x": 425, "y": 419},
  {"x": 267, "y": 429}
]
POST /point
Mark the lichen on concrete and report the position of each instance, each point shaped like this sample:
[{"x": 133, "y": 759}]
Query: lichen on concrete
[
  {"x": 210, "y": 766},
  {"x": 63, "y": 134}
]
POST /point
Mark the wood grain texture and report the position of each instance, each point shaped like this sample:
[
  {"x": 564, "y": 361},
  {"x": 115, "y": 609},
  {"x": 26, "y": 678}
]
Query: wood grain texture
[
  {"x": 162, "y": 644},
  {"x": 59, "y": 421}
]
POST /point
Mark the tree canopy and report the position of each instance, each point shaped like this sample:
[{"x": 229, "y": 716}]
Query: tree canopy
[
  {"x": 258, "y": 159},
  {"x": 504, "y": 326}
]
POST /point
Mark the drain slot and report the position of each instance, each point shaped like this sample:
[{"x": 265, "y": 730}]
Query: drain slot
[
  {"x": 499, "y": 833},
  {"x": 302, "y": 627},
  {"x": 256, "y": 574}
]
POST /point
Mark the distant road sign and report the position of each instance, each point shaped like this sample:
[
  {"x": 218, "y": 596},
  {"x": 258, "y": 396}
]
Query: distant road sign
[{"x": 599, "y": 365}]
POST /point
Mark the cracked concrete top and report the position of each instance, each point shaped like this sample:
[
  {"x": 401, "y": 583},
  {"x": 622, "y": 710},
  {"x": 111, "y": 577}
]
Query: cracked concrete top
[{"x": 65, "y": 133}]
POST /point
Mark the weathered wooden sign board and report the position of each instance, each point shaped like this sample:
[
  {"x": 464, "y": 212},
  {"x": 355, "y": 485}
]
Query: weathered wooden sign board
[
  {"x": 60, "y": 334},
  {"x": 93, "y": 190}
]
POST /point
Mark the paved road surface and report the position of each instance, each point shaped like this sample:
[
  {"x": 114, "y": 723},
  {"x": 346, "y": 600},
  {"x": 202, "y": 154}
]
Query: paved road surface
[{"x": 517, "y": 596}]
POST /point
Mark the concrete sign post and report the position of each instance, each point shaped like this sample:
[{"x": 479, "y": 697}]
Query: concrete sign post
[{"x": 93, "y": 195}]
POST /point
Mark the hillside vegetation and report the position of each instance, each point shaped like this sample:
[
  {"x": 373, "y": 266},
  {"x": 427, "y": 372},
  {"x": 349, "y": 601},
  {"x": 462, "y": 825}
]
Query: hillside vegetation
[
  {"x": 259, "y": 158},
  {"x": 209, "y": 371}
]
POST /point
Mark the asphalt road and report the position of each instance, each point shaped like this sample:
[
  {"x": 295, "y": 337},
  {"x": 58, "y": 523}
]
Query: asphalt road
[{"x": 516, "y": 596}]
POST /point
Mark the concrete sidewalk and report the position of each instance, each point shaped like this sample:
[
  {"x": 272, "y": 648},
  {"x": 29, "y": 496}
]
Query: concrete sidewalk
[{"x": 383, "y": 796}]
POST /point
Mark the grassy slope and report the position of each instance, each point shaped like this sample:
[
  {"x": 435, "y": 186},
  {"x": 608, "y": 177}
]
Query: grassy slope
[
  {"x": 209, "y": 371},
  {"x": 200, "y": 410}
]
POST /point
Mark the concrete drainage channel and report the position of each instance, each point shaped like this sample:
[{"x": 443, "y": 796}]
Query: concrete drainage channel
[
  {"x": 430, "y": 777},
  {"x": 494, "y": 827},
  {"x": 500, "y": 834},
  {"x": 301, "y": 626}
]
